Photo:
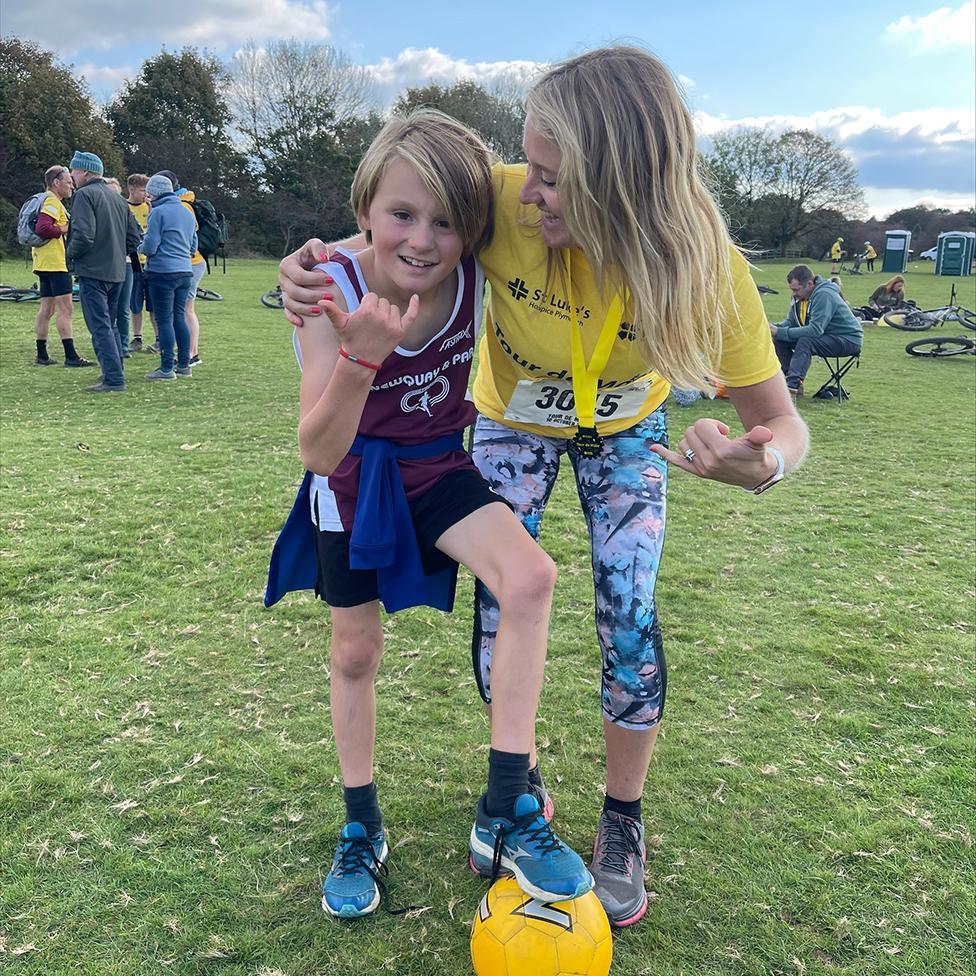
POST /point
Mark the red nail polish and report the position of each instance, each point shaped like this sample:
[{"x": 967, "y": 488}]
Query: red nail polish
[
  {"x": 329, "y": 280},
  {"x": 323, "y": 256},
  {"x": 316, "y": 310},
  {"x": 327, "y": 297}
]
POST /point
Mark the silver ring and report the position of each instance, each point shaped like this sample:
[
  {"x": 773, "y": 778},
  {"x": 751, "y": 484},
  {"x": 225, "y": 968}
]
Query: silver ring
[{"x": 690, "y": 456}]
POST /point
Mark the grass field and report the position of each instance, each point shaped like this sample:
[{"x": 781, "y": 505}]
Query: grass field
[{"x": 169, "y": 792}]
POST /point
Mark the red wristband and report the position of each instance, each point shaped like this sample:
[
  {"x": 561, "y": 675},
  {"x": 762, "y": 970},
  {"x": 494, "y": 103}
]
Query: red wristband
[{"x": 355, "y": 359}]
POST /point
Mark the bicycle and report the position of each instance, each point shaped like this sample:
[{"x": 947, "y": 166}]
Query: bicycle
[
  {"x": 208, "y": 295},
  {"x": 916, "y": 320},
  {"x": 920, "y": 320},
  {"x": 273, "y": 298},
  {"x": 10, "y": 293}
]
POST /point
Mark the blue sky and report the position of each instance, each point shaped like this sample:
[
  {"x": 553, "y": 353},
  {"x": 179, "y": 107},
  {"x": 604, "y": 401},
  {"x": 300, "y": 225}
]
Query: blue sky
[{"x": 894, "y": 84}]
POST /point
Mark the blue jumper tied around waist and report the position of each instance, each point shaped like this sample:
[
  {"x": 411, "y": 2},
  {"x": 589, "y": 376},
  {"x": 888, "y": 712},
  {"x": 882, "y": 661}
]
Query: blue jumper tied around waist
[{"x": 383, "y": 536}]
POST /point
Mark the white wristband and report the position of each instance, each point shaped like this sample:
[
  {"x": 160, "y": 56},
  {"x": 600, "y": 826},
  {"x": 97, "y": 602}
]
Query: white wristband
[{"x": 777, "y": 475}]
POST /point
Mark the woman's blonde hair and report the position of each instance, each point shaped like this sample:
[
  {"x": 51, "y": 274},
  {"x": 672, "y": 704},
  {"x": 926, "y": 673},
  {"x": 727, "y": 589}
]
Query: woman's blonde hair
[
  {"x": 451, "y": 161},
  {"x": 889, "y": 285},
  {"x": 633, "y": 199}
]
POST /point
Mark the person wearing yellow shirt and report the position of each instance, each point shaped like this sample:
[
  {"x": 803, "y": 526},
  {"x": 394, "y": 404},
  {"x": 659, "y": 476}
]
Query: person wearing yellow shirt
[
  {"x": 836, "y": 253},
  {"x": 608, "y": 284},
  {"x": 869, "y": 255},
  {"x": 139, "y": 297},
  {"x": 52, "y": 271}
]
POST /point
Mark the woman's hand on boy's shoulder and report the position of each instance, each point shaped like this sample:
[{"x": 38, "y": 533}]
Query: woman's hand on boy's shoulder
[
  {"x": 375, "y": 329},
  {"x": 302, "y": 286}
]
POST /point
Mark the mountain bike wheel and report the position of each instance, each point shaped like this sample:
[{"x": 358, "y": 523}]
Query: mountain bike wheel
[
  {"x": 941, "y": 346},
  {"x": 273, "y": 299},
  {"x": 967, "y": 318},
  {"x": 910, "y": 320},
  {"x": 206, "y": 295}
]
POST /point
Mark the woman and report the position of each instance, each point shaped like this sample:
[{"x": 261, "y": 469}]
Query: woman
[
  {"x": 171, "y": 239},
  {"x": 612, "y": 276},
  {"x": 883, "y": 299}
]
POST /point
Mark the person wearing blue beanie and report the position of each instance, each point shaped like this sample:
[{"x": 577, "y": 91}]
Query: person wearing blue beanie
[
  {"x": 169, "y": 244},
  {"x": 88, "y": 162},
  {"x": 101, "y": 234}
]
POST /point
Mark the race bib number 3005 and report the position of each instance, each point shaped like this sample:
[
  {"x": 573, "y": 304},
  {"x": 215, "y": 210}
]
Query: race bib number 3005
[{"x": 551, "y": 403}]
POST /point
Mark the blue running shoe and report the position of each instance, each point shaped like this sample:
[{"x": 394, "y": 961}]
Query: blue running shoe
[
  {"x": 526, "y": 846},
  {"x": 354, "y": 885}
]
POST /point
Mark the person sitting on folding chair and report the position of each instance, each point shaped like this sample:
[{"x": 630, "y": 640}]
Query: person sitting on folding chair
[{"x": 819, "y": 323}]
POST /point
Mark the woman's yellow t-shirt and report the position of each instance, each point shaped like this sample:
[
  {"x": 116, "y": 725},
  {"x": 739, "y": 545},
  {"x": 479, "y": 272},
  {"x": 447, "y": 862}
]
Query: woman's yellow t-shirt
[{"x": 524, "y": 377}]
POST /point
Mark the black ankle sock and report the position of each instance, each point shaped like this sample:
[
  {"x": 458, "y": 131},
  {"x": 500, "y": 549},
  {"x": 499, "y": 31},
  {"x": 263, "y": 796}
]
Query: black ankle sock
[
  {"x": 630, "y": 809},
  {"x": 41, "y": 348},
  {"x": 535, "y": 777},
  {"x": 361, "y": 806},
  {"x": 69, "y": 349},
  {"x": 508, "y": 779}
]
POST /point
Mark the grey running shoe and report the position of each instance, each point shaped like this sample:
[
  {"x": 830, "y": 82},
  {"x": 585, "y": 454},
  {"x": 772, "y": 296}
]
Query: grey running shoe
[
  {"x": 153, "y": 348},
  {"x": 618, "y": 868},
  {"x": 105, "y": 388},
  {"x": 43, "y": 361},
  {"x": 161, "y": 374},
  {"x": 183, "y": 371}
]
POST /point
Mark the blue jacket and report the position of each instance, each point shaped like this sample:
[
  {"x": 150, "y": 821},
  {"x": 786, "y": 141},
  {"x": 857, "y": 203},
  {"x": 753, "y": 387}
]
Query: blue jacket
[
  {"x": 171, "y": 236},
  {"x": 827, "y": 314}
]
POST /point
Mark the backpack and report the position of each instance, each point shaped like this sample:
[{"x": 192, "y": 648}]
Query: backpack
[
  {"x": 210, "y": 229},
  {"x": 27, "y": 221}
]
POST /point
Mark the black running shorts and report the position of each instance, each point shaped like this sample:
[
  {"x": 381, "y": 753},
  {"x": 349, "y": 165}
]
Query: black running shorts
[{"x": 454, "y": 497}]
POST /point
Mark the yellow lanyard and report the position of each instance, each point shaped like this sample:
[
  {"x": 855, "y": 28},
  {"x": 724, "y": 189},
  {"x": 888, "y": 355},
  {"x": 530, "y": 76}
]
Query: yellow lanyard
[{"x": 586, "y": 376}]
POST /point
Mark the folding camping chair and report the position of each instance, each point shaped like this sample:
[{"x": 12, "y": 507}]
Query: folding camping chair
[{"x": 833, "y": 389}]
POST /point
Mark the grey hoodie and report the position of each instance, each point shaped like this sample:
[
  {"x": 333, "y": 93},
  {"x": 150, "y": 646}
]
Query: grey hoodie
[{"x": 827, "y": 314}]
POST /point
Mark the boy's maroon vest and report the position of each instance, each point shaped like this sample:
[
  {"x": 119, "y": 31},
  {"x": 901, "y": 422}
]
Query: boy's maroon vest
[{"x": 416, "y": 396}]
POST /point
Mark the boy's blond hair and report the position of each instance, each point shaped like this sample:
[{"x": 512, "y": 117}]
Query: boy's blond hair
[{"x": 451, "y": 161}]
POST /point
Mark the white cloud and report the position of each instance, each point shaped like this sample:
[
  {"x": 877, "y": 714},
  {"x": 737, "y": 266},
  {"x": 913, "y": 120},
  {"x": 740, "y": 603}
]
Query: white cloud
[
  {"x": 105, "y": 80},
  {"x": 943, "y": 28},
  {"x": 413, "y": 68},
  {"x": 883, "y": 201},
  {"x": 846, "y": 122},
  {"x": 213, "y": 23}
]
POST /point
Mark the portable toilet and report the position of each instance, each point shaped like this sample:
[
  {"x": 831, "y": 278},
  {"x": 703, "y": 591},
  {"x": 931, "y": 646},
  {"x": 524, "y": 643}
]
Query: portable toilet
[
  {"x": 896, "y": 251},
  {"x": 955, "y": 252}
]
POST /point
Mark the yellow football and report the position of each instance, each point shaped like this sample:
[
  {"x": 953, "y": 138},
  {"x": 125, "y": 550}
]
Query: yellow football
[{"x": 516, "y": 935}]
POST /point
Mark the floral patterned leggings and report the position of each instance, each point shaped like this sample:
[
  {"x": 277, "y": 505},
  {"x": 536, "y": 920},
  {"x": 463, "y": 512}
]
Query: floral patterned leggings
[{"x": 623, "y": 494}]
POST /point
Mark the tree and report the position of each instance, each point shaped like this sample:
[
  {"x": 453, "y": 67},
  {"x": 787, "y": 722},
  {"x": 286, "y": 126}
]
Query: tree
[
  {"x": 777, "y": 188},
  {"x": 173, "y": 116},
  {"x": 302, "y": 110},
  {"x": 498, "y": 117},
  {"x": 45, "y": 115}
]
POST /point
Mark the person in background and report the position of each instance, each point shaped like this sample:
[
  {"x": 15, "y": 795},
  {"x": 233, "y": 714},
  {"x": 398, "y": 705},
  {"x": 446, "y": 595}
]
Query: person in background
[
  {"x": 139, "y": 299},
  {"x": 198, "y": 267},
  {"x": 122, "y": 309},
  {"x": 836, "y": 254},
  {"x": 869, "y": 255},
  {"x": 171, "y": 239},
  {"x": 101, "y": 233},
  {"x": 819, "y": 323},
  {"x": 52, "y": 272}
]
